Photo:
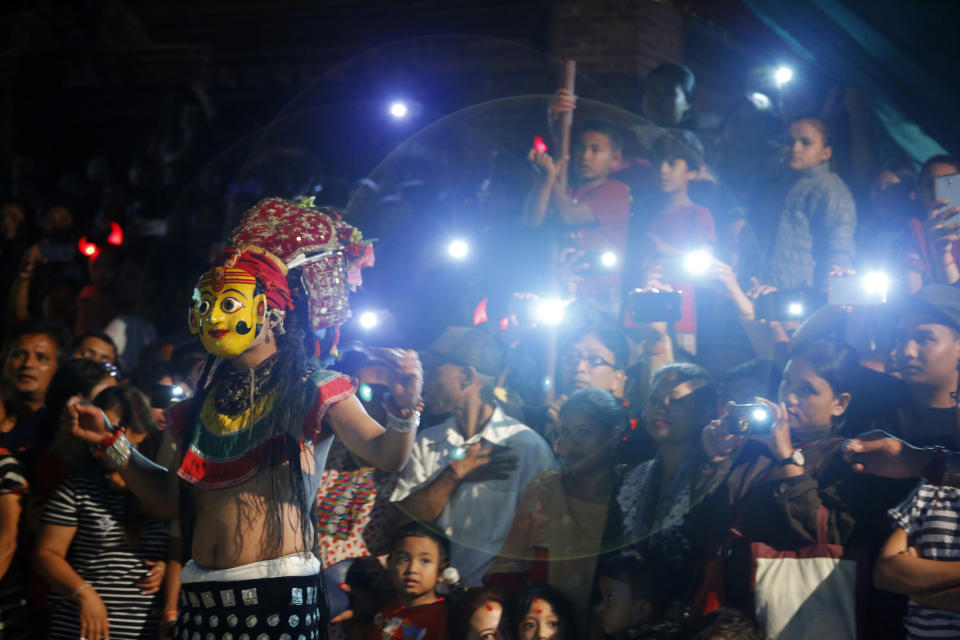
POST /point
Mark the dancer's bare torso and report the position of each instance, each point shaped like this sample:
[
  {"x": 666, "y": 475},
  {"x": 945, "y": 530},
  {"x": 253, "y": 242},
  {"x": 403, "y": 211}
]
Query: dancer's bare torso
[{"x": 235, "y": 526}]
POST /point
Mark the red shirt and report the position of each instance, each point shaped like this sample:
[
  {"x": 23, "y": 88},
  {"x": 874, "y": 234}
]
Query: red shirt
[
  {"x": 395, "y": 622},
  {"x": 610, "y": 204},
  {"x": 685, "y": 227}
]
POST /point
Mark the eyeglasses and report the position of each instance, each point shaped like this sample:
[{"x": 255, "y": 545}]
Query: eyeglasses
[{"x": 573, "y": 359}]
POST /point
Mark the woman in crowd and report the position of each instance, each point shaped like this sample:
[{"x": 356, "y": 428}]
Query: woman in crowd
[
  {"x": 558, "y": 527},
  {"x": 775, "y": 482},
  {"x": 99, "y": 552},
  {"x": 798, "y": 466},
  {"x": 59, "y": 452},
  {"x": 479, "y": 614},
  {"x": 657, "y": 498}
]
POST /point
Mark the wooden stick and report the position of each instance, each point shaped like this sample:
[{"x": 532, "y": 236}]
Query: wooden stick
[
  {"x": 566, "y": 123},
  {"x": 569, "y": 83}
]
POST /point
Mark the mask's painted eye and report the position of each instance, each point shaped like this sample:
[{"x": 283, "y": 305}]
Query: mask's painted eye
[
  {"x": 204, "y": 307},
  {"x": 231, "y": 305}
]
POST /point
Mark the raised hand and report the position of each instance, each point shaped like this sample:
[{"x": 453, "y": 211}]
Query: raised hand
[{"x": 403, "y": 375}]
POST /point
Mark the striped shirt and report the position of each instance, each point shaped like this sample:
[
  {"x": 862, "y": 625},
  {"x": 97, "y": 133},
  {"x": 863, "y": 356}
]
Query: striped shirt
[
  {"x": 101, "y": 556},
  {"x": 13, "y": 600},
  {"x": 930, "y": 516}
]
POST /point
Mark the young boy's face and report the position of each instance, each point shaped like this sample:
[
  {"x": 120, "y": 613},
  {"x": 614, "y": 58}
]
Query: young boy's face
[
  {"x": 806, "y": 147},
  {"x": 618, "y": 610},
  {"x": 414, "y": 567},
  {"x": 595, "y": 157},
  {"x": 675, "y": 175}
]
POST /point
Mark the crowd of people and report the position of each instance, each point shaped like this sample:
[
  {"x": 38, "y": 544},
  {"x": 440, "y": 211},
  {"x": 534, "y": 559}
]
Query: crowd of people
[{"x": 744, "y": 436}]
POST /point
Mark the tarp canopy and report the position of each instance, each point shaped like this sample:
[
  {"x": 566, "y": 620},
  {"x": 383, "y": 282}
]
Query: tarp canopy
[{"x": 902, "y": 54}]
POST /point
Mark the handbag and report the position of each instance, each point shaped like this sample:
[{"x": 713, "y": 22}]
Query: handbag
[{"x": 813, "y": 592}]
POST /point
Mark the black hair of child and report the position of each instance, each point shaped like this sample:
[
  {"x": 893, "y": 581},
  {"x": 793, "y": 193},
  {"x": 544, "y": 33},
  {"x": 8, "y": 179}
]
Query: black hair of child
[
  {"x": 679, "y": 74},
  {"x": 676, "y": 144},
  {"x": 727, "y": 623},
  {"x": 562, "y": 606},
  {"x": 818, "y": 123},
  {"x": 419, "y": 530},
  {"x": 939, "y": 159},
  {"x": 605, "y": 127},
  {"x": 640, "y": 574}
]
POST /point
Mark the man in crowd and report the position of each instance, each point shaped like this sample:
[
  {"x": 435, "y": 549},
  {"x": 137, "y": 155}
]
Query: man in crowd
[
  {"x": 33, "y": 353},
  {"x": 467, "y": 474},
  {"x": 96, "y": 346},
  {"x": 928, "y": 356}
]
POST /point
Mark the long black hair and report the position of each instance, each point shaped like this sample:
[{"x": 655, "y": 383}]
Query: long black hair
[
  {"x": 293, "y": 365},
  {"x": 134, "y": 410}
]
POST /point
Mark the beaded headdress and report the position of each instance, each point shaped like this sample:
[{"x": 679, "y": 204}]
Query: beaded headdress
[{"x": 316, "y": 240}]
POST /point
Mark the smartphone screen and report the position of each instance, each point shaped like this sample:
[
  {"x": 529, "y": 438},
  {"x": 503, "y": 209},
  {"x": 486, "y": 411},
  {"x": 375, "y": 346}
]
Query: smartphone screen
[{"x": 948, "y": 188}]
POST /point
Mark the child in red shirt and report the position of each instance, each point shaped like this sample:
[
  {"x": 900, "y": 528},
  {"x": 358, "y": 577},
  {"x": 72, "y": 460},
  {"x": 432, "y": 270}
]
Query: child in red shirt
[
  {"x": 679, "y": 226},
  {"x": 418, "y": 555},
  {"x": 596, "y": 212}
]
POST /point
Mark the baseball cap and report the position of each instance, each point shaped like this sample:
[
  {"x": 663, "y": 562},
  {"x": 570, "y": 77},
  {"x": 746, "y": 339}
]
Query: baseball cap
[
  {"x": 940, "y": 301},
  {"x": 465, "y": 347}
]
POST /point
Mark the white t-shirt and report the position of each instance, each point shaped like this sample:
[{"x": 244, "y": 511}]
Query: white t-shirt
[{"x": 478, "y": 516}]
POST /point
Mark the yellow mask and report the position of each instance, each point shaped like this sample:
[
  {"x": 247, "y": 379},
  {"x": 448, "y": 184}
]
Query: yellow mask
[{"x": 227, "y": 312}]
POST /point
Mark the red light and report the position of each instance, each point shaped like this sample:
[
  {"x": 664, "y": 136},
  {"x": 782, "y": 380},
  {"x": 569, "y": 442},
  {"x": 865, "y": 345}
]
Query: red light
[
  {"x": 480, "y": 313},
  {"x": 539, "y": 145},
  {"x": 88, "y": 249},
  {"x": 504, "y": 323},
  {"x": 116, "y": 234}
]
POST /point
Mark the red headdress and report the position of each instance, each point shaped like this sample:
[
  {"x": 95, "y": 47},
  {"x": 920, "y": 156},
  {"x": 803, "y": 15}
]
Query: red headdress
[{"x": 328, "y": 251}]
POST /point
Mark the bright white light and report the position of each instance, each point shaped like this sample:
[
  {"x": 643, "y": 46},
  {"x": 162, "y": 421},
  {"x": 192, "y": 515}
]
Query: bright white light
[
  {"x": 760, "y": 100},
  {"x": 458, "y": 249},
  {"x": 783, "y": 75},
  {"x": 368, "y": 320},
  {"x": 177, "y": 391},
  {"x": 697, "y": 262},
  {"x": 550, "y": 311},
  {"x": 795, "y": 309},
  {"x": 760, "y": 414},
  {"x": 876, "y": 283},
  {"x": 399, "y": 110},
  {"x": 608, "y": 259}
]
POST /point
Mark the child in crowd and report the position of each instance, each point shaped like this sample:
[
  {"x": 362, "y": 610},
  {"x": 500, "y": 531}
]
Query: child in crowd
[
  {"x": 479, "y": 614},
  {"x": 920, "y": 557},
  {"x": 678, "y": 226},
  {"x": 813, "y": 230},
  {"x": 597, "y": 209},
  {"x": 418, "y": 555},
  {"x": 630, "y": 602},
  {"x": 544, "y": 612}
]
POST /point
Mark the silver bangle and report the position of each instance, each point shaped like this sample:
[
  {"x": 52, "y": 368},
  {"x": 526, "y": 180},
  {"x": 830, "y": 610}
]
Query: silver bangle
[
  {"x": 117, "y": 454},
  {"x": 403, "y": 425}
]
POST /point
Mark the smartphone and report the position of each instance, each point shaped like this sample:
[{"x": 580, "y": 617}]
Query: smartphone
[
  {"x": 597, "y": 264},
  {"x": 164, "y": 395},
  {"x": 854, "y": 291},
  {"x": 948, "y": 188},
  {"x": 654, "y": 306},
  {"x": 749, "y": 419},
  {"x": 789, "y": 304},
  {"x": 57, "y": 251}
]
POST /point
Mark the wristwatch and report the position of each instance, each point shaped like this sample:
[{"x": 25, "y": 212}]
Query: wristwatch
[{"x": 794, "y": 458}]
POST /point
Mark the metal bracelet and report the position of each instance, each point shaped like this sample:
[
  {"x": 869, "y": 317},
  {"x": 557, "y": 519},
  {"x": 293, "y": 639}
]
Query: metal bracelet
[
  {"x": 403, "y": 425},
  {"x": 117, "y": 454}
]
